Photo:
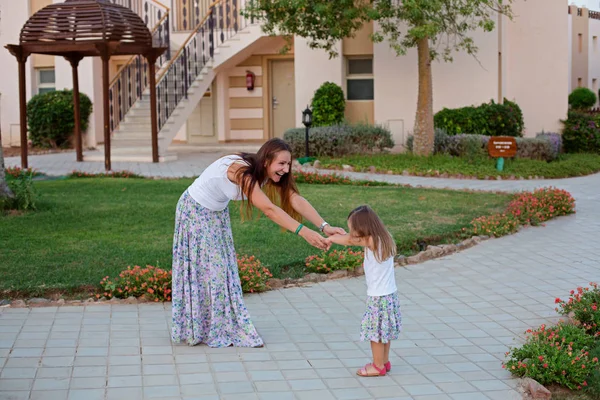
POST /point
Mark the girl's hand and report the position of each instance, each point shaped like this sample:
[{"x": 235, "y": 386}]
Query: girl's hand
[
  {"x": 332, "y": 230},
  {"x": 314, "y": 239},
  {"x": 337, "y": 239}
]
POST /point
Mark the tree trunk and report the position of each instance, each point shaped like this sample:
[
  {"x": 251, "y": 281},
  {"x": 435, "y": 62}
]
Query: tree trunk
[
  {"x": 4, "y": 189},
  {"x": 423, "y": 131}
]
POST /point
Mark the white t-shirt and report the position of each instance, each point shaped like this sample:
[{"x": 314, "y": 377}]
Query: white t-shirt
[
  {"x": 380, "y": 277},
  {"x": 213, "y": 189}
]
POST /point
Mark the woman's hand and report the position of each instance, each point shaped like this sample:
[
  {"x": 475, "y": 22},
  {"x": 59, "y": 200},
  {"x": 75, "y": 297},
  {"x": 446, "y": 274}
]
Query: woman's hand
[
  {"x": 332, "y": 230},
  {"x": 314, "y": 239}
]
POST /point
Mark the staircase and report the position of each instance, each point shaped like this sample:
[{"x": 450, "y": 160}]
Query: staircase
[{"x": 181, "y": 80}]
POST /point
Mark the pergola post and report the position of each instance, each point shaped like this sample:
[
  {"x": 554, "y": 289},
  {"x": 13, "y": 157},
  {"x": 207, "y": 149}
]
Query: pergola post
[
  {"x": 74, "y": 60},
  {"x": 23, "y": 111},
  {"x": 105, "y": 107},
  {"x": 21, "y": 56},
  {"x": 153, "y": 106}
]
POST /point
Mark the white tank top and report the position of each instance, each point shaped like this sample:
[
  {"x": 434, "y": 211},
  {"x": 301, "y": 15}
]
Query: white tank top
[
  {"x": 380, "y": 277},
  {"x": 213, "y": 189}
]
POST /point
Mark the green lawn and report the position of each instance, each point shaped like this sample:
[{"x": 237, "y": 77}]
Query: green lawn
[
  {"x": 568, "y": 165},
  {"x": 85, "y": 229}
]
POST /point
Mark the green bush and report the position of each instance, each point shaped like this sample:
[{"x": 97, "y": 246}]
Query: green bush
[
  {"x": 582, "y": 98},
  {"x": 25, "y": 194},
  {"x": 554, "y": 355},
  {"x": 328, "y": 105},
  {"x": 583, "y": 305},
  {"x": 556, "y": 142},
  {"x": 51, "y": 118},
  {"x": 474, "y": 146},
  {"x": 339, "y": 140},
  {"x": 346, "y": 259},
  {"x": 439, "y": 142},
  {"x": 490, "y": 119},
  {"x": 581, "y": 132},
  {"x": 459, "y": 120},
  {"x": 535, "y": 149}
]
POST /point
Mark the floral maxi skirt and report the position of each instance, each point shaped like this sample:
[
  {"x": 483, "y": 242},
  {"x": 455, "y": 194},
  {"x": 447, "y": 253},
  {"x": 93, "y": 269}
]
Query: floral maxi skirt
[
  {"x": 382, "y": 320},
  {"x": 208, "y": 304}
]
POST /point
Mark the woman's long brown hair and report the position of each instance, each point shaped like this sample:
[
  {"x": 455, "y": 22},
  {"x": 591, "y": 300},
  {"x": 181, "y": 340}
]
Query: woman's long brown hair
[
  {"x": 365, "y": 223},
  {"x": 280, "y": 193}
]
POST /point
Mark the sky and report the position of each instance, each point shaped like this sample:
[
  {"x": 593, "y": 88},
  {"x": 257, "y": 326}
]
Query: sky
[{"x": 591, "y": 4}]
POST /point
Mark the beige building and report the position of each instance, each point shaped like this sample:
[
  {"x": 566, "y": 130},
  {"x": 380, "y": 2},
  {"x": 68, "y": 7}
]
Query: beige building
[
  {"x": 225, "y": 81},
  {"x": 584, "y": 66}
]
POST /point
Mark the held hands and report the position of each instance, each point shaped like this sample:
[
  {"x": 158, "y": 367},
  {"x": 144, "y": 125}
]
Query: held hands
[
  {"x": 337, "y": 239},
  {"x": 332, "y": 230},
  {"x": 318, "y": 241},
  {"x": 314, "y": 239}
]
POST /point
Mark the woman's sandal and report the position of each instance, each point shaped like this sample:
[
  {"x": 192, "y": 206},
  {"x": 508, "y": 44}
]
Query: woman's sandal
[
  {"x": 388, "y": 366},
  {"x": 363, "y": 371}
]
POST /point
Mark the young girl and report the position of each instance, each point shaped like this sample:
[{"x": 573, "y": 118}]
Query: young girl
[{"x": 382, "y": 321}]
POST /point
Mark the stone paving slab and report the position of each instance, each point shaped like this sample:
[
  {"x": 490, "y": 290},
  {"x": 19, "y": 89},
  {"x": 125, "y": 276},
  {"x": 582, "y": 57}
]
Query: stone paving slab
[{"x": 460, "y": 314}]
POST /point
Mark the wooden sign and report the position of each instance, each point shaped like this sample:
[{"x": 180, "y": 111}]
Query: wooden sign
[{"x": 502, "y": 146}]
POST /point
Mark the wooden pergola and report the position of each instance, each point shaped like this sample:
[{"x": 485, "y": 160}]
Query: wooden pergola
[{"x": 86, "y": 28}]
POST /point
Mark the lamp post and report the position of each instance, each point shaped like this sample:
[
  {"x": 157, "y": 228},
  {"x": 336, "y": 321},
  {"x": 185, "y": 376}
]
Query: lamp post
[{"x": 307, "y": 121}]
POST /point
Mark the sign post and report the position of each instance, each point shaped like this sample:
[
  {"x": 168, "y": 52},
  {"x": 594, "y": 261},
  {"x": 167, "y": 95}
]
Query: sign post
[{"x": 500, "y": 147}]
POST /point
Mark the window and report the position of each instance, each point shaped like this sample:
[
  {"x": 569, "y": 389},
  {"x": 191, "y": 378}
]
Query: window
[
  {"x": 46, "y": 81},
  {"x": 359, "y": 82},
  {"x": 580, "y": 42},
  {"x": 595, "y": 43},
  {"x": 595, "y": 85},
  {"x": 578, "y": 82}
]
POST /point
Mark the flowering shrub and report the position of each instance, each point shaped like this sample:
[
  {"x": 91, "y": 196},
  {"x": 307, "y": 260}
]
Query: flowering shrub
[
  {"x": 340, "y": 140},
  {"x": 15, "y": 172},
  {"x": 583, "y": 303},
  {"x": 334, "y": 179},
  {"x": 533, "y": 208},
  {"x": 555, "y": 140},
  {"x": 314, "y": 178},
  {"x": 253, "y": 274},
  {"x": 558, "y": 355},
  {"x": 494, "y": 225},
  {"x": 113, "y": 174},
  {"x": 527, "y": 208},
  {"x": 151, "y": 282},
  {"x": 581, "y": 132},
  {"x": 346, "y": 259}
]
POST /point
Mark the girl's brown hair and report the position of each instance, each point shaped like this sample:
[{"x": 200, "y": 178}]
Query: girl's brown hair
[
  {"x": 280, "y": 193},
  {"x": 365, "y": 223}
]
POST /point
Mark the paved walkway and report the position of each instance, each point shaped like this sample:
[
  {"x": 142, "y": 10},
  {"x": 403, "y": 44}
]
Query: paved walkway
[
  {"x": 190, "y": 163},
  {"x": 460, "y": 314}
]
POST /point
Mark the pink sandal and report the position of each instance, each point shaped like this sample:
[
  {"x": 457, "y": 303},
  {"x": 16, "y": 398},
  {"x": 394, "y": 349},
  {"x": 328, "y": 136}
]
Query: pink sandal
[
  {"x": 388, "y": 366},
  {"x": 363, "y": 371}
]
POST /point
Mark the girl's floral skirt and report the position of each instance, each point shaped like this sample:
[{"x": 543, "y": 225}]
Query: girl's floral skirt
[
  {"x": 382, "y": 321},
  {"x": 208, "y": 305}
]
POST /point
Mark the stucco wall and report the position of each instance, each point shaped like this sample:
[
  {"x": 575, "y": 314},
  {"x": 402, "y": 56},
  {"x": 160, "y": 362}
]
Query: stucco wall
[
  {"x": 538, "y": 63},
  {"x": 466, "y": 81},
  {"x": 312, "y": 68},
  {"x": 594, "y": 56},
  {"x": 14, "y": 15}
]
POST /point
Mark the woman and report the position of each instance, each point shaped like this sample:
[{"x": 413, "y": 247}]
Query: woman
[{"x": 208, "y": 305}]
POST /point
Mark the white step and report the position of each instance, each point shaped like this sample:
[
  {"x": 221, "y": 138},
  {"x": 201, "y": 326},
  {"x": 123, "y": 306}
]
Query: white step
[{"x": 142, "y": 156}]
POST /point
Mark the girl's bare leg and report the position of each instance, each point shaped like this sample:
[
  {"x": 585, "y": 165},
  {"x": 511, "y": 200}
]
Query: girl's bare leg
[
  {"x": 386, "y": 352},
  {"x": 378, "y": 350}
]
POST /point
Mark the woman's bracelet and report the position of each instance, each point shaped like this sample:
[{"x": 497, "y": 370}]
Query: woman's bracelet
[
  {"x": 298, "y": 228},
  {"x": 323, "y": 225}
]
